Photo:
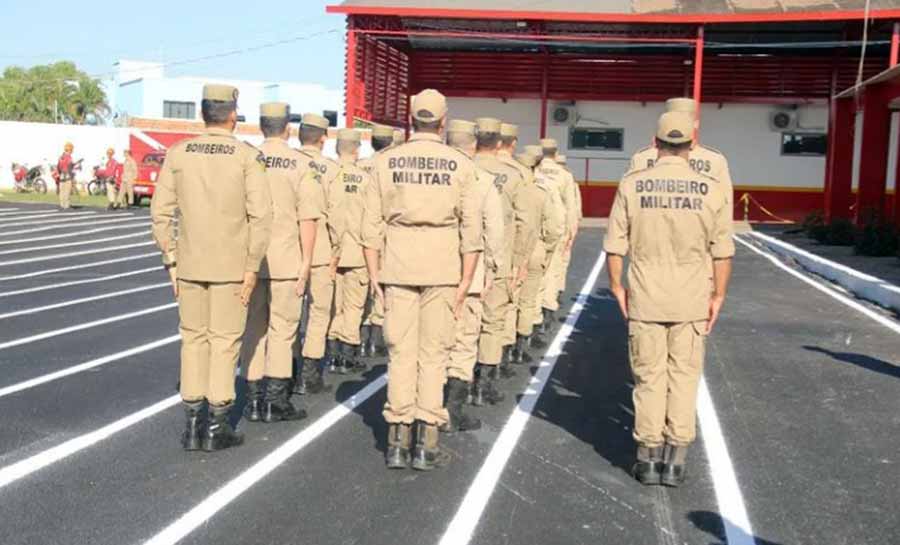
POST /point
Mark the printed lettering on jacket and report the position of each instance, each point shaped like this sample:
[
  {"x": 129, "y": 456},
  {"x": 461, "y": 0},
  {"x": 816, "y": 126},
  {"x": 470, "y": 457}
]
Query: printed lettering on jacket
[
  {"x": 422, "y": 170},
  {"x": 672, "y": 194}
]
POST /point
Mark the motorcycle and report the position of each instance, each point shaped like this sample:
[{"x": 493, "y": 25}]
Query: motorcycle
[
  {"x": 97, "y": 185},
  {"x": 29, "y": 180}
]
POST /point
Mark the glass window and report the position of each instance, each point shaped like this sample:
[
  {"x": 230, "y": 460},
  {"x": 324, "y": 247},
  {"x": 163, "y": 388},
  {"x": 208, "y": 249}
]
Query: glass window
[
  {"x": 804, "y": 144},
  {"x": 596, "y": 139},
  {"x": 179, "y": 110}
]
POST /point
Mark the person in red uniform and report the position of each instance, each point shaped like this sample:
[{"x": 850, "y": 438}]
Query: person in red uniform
[
  {"x": 109, "y": 178},
  {"x": 65, "y": 169}
]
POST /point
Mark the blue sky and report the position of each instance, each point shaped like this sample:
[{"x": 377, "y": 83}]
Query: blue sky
[{"x": 95, "y": 34}]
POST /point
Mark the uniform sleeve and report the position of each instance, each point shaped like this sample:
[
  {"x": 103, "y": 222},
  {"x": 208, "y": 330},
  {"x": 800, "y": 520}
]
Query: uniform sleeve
[
  {"x": 163, "y": 208},
  {"x": 335, "y": 212},
  {"x": 527, "y": 218},
  {"x": 470, "y": 223},
  {"x": 259, "y": 210},
  {"x": 373, "y": 216},
  {"x": 723, "y": 175},
  {"x": 493, "y": 228},
  {"x": 565, "y": 194},
  {"x": 722, "y": 242},
  {"x": 309, "y": 198},
  {"x": 576, "y": 205},
  {"x": 616, "y": 241}
]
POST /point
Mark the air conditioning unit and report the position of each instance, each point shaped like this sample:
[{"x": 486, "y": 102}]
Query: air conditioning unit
[
  {"x": 783, "y": 120},
  {"x": 564, "y": 114}
]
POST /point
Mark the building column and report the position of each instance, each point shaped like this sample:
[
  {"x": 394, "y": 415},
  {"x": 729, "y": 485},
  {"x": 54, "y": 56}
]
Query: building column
[
  {"x": 874, "y": 153},
  {"x": 351, "y": 84},
  {"x": 839, "y": 161},
  {"x": 698, "y": 76}
]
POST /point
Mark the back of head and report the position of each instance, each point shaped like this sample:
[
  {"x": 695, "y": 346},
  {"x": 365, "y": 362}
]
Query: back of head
[
  {"x": 313, "y": 128},
  {"x": 461, "y": 135},
  {"x": 382, "y": 137},
  {"x": 219, "y": 104},
  {"x": 674, "y": 133},
  {"x": 429, "y": 108},
  {"x": 348, "y": 142},
  {"x": 549, "y": 147},
  {"x": 273, "y": 118},
  {"x": 487, "y": 133},
  {"x": 509, "y": 135}
]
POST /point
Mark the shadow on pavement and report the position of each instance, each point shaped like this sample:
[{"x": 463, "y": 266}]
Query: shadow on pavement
[
  {"x": 860, "y": 360},
  {"x": 370, "y": 410},
  {"x": 713, "y": 524}
]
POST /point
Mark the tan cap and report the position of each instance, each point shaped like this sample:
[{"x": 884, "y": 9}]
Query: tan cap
[
  {"x": 549, "y": 143},
  {"x": 537, "y": 151},
  {"x": 681, "y": 104},
  {"x": 399, "y": 136},
  {"x": 314, "y": 120},
  {"x": 274, "y": 109},
  {"x": 224, "y": 93},
  {"x": 488, "y": 124},
  {"x": 561, "y": 159},
  {"x": 382, "y": 131},
  {"x": 429, "y": 105},
  {"x": 510, "y": 130},
  {"x": 348, "y": 135},
  {"x": 461, "y": 125},
  {"x": 527, "y": 159},
  {"x": 675, "y": 128}
]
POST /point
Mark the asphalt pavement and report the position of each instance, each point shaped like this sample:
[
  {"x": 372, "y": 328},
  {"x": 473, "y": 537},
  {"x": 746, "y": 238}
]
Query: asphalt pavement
[{"x": 797, "y": 438}]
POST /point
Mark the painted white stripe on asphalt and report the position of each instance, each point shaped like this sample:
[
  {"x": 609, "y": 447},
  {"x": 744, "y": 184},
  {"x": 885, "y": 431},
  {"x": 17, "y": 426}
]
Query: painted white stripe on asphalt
[
  {"x": 22, "y": 213},
  {"x": 17, "y": 222},
  {"x": 82, "y": 266},
  {"x": 45, "y": 214},
  {"x": 79, "y": 282},
  {"x": 140, "y": 223},
  {"x": 50, "y": 377},
  {"x": 110, "y": 295},
  {"x": 64, "y": 226},
  {"x": 14, "y": 472},
  {"x": 203, "y": 511},
  {"x": 70, "y": 244},
  {"x": 463, "y": 525},
  {"x": 5, "y": 210},
  {"x": 75, "y": 254},
  {"x": 88, "y": 325},
  {"x": 883, "y": 320}
]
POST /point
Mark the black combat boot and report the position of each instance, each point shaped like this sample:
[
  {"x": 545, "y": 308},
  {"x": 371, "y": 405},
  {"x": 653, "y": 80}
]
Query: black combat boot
[
  {"x": 365, "y": 348},
  {"x": 194, "y": 425},
  {"x": 253, "y": 408},
  {"x": 352, "y": 362},
  {"x": 312, "y": 377},
  {"x": 485, "y": 390},
  {"x": 219, "y": 434},
  {"x": 376, "y": 337},
  {"x": 399, "y": 439},
  {"x": 427, "y": 454},
  {"x": 298, "y": 385},
  {"x": 549, "y": 319},
  {"x": 457, "y": 395},
  {"x": 506, "y": 370},
  {"x": 334, "y": 361},
  {"x": 278, "y": 404},
  {"x": 649, "y": 465},
  {"x": 539, "y": 339},
  {"x": 519, "y": 351},
  {"x": 673, "y": 470}
]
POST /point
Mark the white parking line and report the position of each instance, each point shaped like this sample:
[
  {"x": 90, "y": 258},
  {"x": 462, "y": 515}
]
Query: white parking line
[
  {"x": 44, "y": 214},
  {"x": 64, "y": 226},
  {"x": 110, "y": 295},
  {"x": 139, "y": 225},
  {"x": 203, "y": 511},
  {"x": 70, "y": 244},
  {"x": 461, "y": 528},
  {"x": 76, "y": 267},
  {"x": 14, "y": 472},
  {"x": 5, "y": 210},
  {"x": 75, "y": 254},
  {"x": 21, "y": 213},
  {"x": 50, "y": 377},
  {"x": 17, "y": 222},
  {"x": 79, "y": 282},
  {"x": 87, "y": 325}
]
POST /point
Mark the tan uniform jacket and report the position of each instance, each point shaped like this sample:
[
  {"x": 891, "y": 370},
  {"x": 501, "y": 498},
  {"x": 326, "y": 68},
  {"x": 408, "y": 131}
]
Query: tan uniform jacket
[
  {"x": 703, "y": 159},
  {"x": 508, "y": 182},
  {"x": 323, "y": 171},
  {"x": 217, "y": 186},
  {"x": 423, "y": 204},
  {"x": 492, "y": 221},
  {"x": 551, "y": 174},
  {"x": 553, "y": 212},
  {"x": 528, "y": 205},
  {"x": 670, "y": 220},
  {"x": 129, "y": 171},
  {"x": 347, "y": 197},
  {"x": 295, "y": 198}
]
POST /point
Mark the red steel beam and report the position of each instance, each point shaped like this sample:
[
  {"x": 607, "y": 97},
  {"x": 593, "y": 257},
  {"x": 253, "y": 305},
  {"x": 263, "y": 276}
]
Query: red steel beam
[
  {"x": 526, "y": 37},
  {"x": 351, "y": 83},
  {"x": 873, "y": 153},
  {"x": 698, "y": 77},
  {"x": 839, "y": 178},
  {"x": 895, "y": 44}
]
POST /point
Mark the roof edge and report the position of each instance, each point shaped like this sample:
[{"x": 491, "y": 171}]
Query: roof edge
[{"x": 749, "y": 17}]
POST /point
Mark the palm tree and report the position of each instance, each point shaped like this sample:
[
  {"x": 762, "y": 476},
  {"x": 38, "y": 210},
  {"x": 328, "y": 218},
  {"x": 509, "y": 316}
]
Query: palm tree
[{"x": 85, "y": 99}]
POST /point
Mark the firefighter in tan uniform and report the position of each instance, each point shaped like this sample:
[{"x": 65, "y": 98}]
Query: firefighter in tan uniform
[
  {"x": 671, "y": 221},
  {"x": 129, "y": 175},
  {"x": 464, "y": 354},
  {"x": 320, "y": 291},
  {"x": 352, "y": 283},
  {"x": 383, "y": 137},
  {"x": 575, "y": 219},
  {"x": 423, "y": 208},
  {"x": 273, "y": 317},
  {"x": 216, "y": 186}
]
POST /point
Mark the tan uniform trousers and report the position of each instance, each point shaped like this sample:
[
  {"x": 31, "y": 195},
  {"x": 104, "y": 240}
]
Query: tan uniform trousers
[
  {"x": 111, "y": 195},
  {"x": 529, "y": 302},
  {"x": 667, "y": 361},
  {"x": 126, "y": 194},
  {"x": 321, "y": 290},
  {"x": 550, "y": 282},
  {"x": 212, "y": 324},
  {"x": 351, "y": 289},
  {"x": 464, "y": 354},
  {"x": 512, "y": 312},
  {"x": 563, "y": 272},
  {"x": 65, "y": 194},
  {"x": 493, "y": 323},
  {"x": 272, "y": 321},
  {"x": 419, "y": 329}
]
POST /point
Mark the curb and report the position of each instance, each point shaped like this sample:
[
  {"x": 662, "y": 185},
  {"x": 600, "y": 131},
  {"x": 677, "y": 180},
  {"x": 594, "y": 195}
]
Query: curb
[{"x": 864, "y": 286}]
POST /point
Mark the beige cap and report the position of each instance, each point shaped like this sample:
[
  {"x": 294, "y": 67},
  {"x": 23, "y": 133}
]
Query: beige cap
[
  {"x": 681, "y": 104},
  {"x": 348, "y": 135},
  {"x": 429, "y": 105},
  {"x": 537, "y": 151},
  {"x": 508, "y": 129},
  {"x": 399, "y": 136},
  {"x": 461, "y": 125},
  {"x": 527, "y": 159},
  {"x": 382, "y": 131},
  {"x": 314, "y": 120},
  {"x": 274, "y": 109},
  {"x": 549, "y": 143},
  {"x": 488, "y": 124},
  {"x": 675, "y": 128},
  {"x": 224, "y": 93},
  {"x": 561, "y": 159}
]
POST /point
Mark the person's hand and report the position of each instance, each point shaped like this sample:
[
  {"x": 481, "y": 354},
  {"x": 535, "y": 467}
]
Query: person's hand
[
  {"x": 621, "y": 296},
  {"x": 376, "y": 291},
  {"x": 461, "y": 292},
  {"x": 247, "y": 287},
  {"x": 300, "y": 287},
  {"x": 569, "y": 244},
  {"x": 488, "y": 285},
  {"x": 173, "y": 277},
  {"x": 715, "y": 306}
]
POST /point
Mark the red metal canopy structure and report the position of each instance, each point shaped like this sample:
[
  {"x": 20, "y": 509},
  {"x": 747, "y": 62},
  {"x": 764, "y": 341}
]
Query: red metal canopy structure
[{"x": 721, "y": 51}]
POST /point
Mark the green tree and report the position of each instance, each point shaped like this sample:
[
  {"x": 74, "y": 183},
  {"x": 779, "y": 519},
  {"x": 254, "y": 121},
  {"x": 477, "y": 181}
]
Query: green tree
[{"x": 53, "y": 93}]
